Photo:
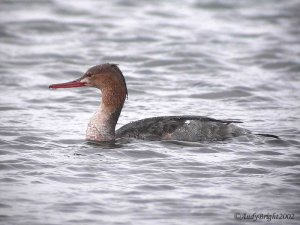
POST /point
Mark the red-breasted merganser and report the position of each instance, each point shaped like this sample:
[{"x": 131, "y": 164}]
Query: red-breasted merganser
[{"x": 110, "y": 80}]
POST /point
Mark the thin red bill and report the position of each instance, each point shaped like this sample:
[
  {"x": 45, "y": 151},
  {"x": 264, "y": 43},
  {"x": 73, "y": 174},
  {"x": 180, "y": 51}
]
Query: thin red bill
[{"x": 72, "y": 84}]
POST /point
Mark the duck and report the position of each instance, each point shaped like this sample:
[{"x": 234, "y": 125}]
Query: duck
[{"x": 109, "y": 79}]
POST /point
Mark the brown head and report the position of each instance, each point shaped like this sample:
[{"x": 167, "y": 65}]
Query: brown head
[{"x": 106, "y": 77}]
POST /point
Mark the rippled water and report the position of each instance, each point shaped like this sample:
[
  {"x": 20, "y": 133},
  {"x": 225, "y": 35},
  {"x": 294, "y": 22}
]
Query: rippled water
[{"x": 223, "y": 59}]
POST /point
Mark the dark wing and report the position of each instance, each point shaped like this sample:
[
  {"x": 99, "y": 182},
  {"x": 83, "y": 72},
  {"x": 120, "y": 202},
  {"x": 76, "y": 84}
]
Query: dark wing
[{"x": 156, "y": 127}]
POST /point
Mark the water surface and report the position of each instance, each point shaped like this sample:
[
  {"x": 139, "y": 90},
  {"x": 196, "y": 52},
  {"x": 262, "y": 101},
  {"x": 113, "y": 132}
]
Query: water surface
[{"x": 223, "y": 59}]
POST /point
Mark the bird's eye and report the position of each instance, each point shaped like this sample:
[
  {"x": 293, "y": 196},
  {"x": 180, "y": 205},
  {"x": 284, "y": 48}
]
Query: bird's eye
[{"x": 88, "y": 74}]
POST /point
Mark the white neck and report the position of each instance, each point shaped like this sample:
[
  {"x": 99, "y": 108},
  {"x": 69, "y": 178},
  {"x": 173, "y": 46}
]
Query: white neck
[{"x": 102, "y": 125}]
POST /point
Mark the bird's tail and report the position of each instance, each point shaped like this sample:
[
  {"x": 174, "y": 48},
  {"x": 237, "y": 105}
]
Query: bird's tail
[{"x": 269, "y": 135}]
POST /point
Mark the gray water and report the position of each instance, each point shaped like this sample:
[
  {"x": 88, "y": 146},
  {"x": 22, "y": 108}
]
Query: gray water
[{"x": 224, "y": 59}]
